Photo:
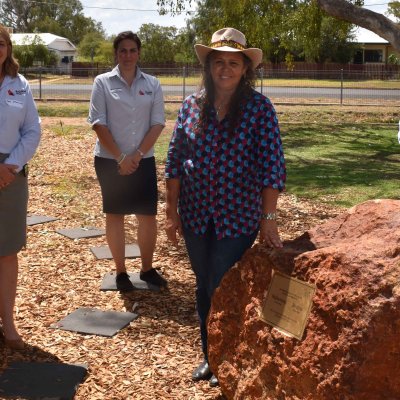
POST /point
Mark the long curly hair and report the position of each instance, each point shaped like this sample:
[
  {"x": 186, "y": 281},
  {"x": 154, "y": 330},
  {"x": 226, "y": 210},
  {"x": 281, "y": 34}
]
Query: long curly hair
[
  {"x": 10, "y": 66},
  {"x": 242, "y": 92}
]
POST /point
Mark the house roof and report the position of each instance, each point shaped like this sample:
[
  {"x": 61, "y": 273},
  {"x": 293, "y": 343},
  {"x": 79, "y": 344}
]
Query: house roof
[
  {"x": 365, "y": 36},
  {"x": 53, "y": 42}
]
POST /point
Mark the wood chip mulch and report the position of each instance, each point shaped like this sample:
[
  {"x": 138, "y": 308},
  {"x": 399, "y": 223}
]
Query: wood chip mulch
[{"x": 154, "y": 356}]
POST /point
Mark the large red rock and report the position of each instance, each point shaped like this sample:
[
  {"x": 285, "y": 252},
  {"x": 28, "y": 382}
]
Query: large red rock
[{"x": 351, "y": 346}]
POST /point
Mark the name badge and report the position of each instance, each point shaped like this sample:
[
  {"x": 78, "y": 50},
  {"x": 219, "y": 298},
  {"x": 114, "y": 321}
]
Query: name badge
[{"x": 15, "y": 103}]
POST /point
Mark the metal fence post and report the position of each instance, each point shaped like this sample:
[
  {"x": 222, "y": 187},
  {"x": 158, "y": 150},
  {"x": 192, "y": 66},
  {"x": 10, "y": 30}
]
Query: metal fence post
[
  {"x": 341, "y": 87},
  {"x": 184, "y": 84},
  {"x": 40, "y": 83}
]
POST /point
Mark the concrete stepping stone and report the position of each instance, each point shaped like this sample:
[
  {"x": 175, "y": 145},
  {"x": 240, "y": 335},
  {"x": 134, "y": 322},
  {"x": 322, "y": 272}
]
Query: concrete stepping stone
[
  {"x": 38, "y": 219},
  {"x": 108, "y": 282},
  {"x": 95, "y": 322},
  {"x": 80, "y": 233},
  {"x": 35, "y": 380},
  {"x": 103, "y": 252}
]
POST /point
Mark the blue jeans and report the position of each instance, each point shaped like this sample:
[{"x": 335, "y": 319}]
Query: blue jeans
[{"x": 211, "y": 259}]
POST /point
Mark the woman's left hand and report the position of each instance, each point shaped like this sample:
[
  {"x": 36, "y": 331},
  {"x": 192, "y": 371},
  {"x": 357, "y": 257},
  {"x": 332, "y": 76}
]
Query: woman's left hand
[{"x": 269, "y": 234}]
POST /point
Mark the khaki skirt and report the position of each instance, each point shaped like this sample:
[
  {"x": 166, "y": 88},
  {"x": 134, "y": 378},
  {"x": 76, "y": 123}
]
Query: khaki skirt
[{"x": 13, "y": 212}]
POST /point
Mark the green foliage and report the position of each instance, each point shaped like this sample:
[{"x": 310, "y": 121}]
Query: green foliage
[
  {"x": 63, "y": 18},
  {"x": 185, "y": 41},
  {"x": 105, "y": 54},
  {"x": 279, "y": 28},
  {"x": 394, "y": 9},
  {"x": 158, "y": 43},
  {"x": 90, "y": 46},
  {"x": 34, "y": 53},
  {"x": 393, "y": 59}
]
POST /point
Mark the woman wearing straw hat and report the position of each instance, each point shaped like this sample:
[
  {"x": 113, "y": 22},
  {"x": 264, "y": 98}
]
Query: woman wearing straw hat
[{"x": 224, "y": 171}]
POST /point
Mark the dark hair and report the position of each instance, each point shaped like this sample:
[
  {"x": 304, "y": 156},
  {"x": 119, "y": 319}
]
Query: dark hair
[
  {"x": 242, "y": 92},
  {"x": 126, "y": 35},
  {"x": 10, "y": 66}
]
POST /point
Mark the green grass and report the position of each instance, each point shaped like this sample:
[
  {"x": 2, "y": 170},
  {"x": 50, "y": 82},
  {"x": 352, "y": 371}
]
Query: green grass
[
  {"x": 339, "y": 155},
  {"x": 81, "y": 109},
  {"x": 344, "y": 165}
]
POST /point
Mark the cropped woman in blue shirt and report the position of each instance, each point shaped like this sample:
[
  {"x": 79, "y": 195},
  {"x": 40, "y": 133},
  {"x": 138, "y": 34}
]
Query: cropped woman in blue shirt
[
  {"x": 225, "y": 169},
  {"x": 19, "y": 139}
]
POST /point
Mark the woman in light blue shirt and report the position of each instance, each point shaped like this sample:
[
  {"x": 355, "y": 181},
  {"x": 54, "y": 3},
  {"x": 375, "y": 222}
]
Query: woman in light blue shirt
[
  {"x": 19, "y": 139},
  {"x": 127, "y": 114}
]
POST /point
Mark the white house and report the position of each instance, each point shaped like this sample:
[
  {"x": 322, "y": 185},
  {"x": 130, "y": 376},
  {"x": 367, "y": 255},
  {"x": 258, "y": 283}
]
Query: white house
[
  {"x": 374, "y": 49},
  {"x": 65, "y": 50}
]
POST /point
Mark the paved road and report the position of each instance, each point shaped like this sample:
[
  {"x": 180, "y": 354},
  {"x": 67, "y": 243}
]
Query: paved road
[{"x": 290, "y": 93}]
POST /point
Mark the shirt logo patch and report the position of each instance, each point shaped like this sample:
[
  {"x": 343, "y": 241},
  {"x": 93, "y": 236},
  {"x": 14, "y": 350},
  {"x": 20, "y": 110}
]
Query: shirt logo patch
[
  {"x": 10, "y": 92},
  {"x": 21, "y": 91},
  {"x": 141, "y": 92}
]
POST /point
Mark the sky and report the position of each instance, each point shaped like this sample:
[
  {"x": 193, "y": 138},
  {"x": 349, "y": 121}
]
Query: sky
[{"x": 120, "y": 15}]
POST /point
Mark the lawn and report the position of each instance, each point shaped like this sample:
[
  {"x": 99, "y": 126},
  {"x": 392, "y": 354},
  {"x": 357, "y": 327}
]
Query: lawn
[{"x": 337, "y": 155}]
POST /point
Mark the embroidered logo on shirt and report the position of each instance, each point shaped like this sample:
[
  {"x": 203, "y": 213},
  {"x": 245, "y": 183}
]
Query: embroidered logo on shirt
[
  {"x": 10, "y": 92},
  {"x": 22, "y": 91},
  {"x": 145, "y": 92}
]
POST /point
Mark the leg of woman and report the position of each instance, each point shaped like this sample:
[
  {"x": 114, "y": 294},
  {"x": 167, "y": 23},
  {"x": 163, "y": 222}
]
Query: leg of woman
[
  {"x": 147, "y": 237},
  {"x": 198, "y": 251},
  {"x": 8, "y": 290},
  {"x": 115, "y": 233}
]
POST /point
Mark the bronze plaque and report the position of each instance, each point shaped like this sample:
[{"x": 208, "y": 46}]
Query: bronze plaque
[{"x": 288, "y": 304}]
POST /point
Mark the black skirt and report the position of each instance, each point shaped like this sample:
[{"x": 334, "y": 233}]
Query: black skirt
[{"x": 128, "y": 194}]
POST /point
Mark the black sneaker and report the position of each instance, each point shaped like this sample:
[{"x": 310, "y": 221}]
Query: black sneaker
[
  {"x": 153, "y": 277},
  {"x": 123, "y": 283}
]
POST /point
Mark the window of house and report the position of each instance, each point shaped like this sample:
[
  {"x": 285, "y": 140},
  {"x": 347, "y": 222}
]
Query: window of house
[{"x": 373, "y": 56}]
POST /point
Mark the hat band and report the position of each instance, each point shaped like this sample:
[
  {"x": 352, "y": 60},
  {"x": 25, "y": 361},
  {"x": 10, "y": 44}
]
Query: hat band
[{"x": 229, "y": 43}]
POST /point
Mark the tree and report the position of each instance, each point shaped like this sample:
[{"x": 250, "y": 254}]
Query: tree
[
  {"x": 340, "y": 9},
  {"x": 280, "y": 28},
  {"x": 89, "y": 46},
  {"x": 185, "y": 41},
  {"x": 35, "y": 52},
  {"x": 60, "y": 17},
  {"x": 158, "y": 43}
]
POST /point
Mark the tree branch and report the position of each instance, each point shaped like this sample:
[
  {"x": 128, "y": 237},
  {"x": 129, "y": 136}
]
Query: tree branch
[{"x": 367, "y": 19}]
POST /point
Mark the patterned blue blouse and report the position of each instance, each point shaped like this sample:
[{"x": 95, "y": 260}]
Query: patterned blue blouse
[{"x": 222, "y": 173}]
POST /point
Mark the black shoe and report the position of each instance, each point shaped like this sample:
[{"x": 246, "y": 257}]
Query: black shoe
[
  {"x": 153, "y": 277},
  {"x": 123, "y": 283},
  {"x": 202, "y": 372},
  {"x": 213, "y": 381}
]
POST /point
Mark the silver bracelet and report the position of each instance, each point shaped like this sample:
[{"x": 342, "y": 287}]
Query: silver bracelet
[
  {"x": 140, "y": 152},
  {"x": 121, "y": 158},
  {"x": 269, "y": 216}
]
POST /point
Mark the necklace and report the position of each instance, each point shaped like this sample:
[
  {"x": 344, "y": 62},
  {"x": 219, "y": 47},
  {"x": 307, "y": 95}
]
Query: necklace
[{"x": 218, "y": 109}]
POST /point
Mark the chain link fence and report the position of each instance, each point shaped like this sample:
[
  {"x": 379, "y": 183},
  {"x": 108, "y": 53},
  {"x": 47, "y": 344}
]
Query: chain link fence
[{"x": 282, "y": 87}]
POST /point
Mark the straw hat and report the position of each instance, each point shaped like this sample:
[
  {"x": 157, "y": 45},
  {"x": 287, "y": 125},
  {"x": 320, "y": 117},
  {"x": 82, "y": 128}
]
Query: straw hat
[{"x": 228, "y": 39}]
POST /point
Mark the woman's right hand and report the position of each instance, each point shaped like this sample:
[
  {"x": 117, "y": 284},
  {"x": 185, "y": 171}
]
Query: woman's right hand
[
  {"x": 129, "y": 165},
  {"x": 7, "y": 174},
  {"x": 173, "y": 225}
]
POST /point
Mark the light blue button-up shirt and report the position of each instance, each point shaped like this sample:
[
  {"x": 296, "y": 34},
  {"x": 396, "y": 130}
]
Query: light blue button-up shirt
[
  {"x": 128, "y": 111},
  {"x": 19, "y": 121}
]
